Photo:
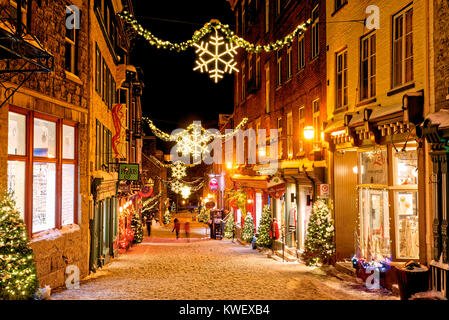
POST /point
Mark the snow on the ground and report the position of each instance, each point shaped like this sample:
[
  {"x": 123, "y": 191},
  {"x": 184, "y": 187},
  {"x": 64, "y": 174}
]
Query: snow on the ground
[{"x": 211, "y": 270}]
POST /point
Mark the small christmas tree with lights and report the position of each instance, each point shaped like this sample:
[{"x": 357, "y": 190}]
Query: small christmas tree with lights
[
  {"x": 18, "y": 278},
  {"x": 319, "y": 246},
  {"x": 248, "y": 228},
  {"x": 204, "y": 215},
  {"x": 229, "y": 227},
  {"x": 167, "y": 216},
  {"x": 263, "y": 234},
  {"x": 136, "y": 226}
]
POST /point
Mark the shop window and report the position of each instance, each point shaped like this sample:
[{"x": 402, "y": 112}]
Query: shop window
[
  {"x": 374, "y": 224},
  {"x": 238, "y": 221},
  {"x": 258, "y": 209},
  {"x": 45, "y": 201},
  {"x": 373, "y": 168},
  {"x": 44, "y": 138},
  {"x": 16, "y": 184},
  {"x": 44, "y": 191},
  {"x": 405, "y": 169}
]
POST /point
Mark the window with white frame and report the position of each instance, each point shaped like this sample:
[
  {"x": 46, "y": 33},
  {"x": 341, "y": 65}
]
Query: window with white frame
[
  {"x": 301, "y": 53},
  {"x": 315, "y": 32},
  {"x": 403, "y": 47},
  {"x": 258, "y": 70},
  {"x": 368, "y": 67},
  {"x": 342, "y": 79},
  {"x": 250, "y": 66}
]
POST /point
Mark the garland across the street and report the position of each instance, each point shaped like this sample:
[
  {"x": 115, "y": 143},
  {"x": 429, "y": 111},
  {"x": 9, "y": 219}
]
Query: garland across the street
[{"x": 208, "y": 28}]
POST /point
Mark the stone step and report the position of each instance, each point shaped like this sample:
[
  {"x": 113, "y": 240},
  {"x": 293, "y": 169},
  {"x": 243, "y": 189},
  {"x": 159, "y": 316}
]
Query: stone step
[{"x": 287, "y": 257}]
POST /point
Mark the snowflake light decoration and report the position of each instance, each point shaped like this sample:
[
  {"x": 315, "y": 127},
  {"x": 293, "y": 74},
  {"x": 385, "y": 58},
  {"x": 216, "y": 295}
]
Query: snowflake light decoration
[
  {"x": 217, "y": 60},
  {"x": 194, "y": 140},
  {"x": 176, "y": 186},
  {"x": 185, "y": 192},
  {"x": 178, "y": 170}
]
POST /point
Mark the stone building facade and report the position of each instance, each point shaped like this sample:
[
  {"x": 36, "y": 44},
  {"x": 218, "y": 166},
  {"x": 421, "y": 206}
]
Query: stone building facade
[{"x": 52, "y": 107}]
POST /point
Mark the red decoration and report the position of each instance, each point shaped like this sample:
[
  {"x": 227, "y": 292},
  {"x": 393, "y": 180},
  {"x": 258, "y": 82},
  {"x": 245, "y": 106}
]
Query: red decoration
[{"x": 274, "y": 230}]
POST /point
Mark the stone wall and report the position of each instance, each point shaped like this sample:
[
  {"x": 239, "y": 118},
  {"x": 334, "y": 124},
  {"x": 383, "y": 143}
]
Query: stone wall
[
  {"x": 65, "y": 96},
  {"x": 441, "y": 43}
]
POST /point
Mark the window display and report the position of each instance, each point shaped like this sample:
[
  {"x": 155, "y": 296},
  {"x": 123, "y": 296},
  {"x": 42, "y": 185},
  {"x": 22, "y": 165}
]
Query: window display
[
  {"x": 374, "y": 224},
  {"x": 407, "y": 235},
  {"x": 68, "y": 147},
  {"x": 373, "y": 167},
  {"x": 17, "y": 134},
  {"x": 68, "y": 194},
  {"x": 44, "y": 192},
  {"x": 16, "y": 184},
  {"x": 44, "y": 138},
  {"x": 406, "y": 167}
]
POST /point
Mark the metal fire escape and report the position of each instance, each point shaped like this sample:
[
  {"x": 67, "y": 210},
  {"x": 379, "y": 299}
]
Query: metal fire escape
[{"x": 21, "y": 53}]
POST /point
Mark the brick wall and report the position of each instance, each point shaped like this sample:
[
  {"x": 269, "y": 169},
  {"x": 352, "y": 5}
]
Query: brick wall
[{"x": 441, "y": 35}]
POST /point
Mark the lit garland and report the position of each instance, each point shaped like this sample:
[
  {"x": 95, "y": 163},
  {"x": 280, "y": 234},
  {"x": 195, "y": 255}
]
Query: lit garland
[
  {"x": 208, "y": 28},
  {"x": 175, "y": 137}
]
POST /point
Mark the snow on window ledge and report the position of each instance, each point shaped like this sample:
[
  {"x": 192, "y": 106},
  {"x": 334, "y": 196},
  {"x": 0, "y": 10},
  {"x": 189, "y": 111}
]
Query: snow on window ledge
[{"x": 54, "y": 234}]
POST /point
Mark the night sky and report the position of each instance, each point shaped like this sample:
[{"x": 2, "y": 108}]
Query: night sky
[{"x": 174, "y": 94}]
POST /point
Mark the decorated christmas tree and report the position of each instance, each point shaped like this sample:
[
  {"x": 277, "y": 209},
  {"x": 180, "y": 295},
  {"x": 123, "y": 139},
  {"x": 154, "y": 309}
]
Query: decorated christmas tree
[
  {"x": 264, "y": 238},
  {"x": 18, "y": 278},
  {"x": 167, "y": 216},
  {"x": 204, "y": 215},
  {"x": 319, "y": 246},
  {"x": 136, "y": 226},
  {"x": 229, "y": 227},
  {"x": 248, "y": 228}
]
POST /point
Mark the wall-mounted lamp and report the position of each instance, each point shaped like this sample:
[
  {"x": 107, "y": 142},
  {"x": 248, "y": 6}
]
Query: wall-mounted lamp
[{"x": 309, "y": 133}]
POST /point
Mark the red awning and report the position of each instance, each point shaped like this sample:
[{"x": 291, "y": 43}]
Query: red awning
[{"x": 277, "y": 191}]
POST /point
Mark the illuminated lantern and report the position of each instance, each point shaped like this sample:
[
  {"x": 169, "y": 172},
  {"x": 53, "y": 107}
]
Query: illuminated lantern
[{"x": 309, "y": 133}]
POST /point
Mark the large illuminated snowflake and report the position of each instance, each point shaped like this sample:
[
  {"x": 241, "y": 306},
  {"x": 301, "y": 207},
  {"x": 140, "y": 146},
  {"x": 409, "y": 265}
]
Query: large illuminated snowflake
[
  {"x": 185, "y": 192},
  {"x": 216, "y": 60},
  {"x": 176, "y": 186},
  {"x": 178, "y": 170},
  {"x": 194, "y": 141}
]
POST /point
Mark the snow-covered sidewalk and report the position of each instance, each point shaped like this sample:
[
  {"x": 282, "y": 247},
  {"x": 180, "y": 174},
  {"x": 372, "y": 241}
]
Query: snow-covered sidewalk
[{"x": 209, "y": 270}]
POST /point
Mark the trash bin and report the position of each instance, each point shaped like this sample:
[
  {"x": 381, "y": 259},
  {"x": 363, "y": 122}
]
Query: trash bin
[{"x": 412, "y": 278}]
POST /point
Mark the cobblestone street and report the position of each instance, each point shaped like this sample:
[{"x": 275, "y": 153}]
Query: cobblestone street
[{"x": 169, "y": 269}]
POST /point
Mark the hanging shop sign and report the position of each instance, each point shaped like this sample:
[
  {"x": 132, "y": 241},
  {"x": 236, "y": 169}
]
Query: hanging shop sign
[
  {"x": 213, "y": 184},
  {"x": 276, "y": 187},
  {"x": 124, "y": 188},
  {"x": 128, "y": 171},
  {"x": 324, "y": 191}
]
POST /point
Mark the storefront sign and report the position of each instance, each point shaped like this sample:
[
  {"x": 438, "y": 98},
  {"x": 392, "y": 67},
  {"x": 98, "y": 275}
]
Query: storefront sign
[
  {"x": 324, "y": 191},
  {"x": 125, "y": 188},
  {"x": 213, "y": 184},
  {"x": 128, "y": 171}
]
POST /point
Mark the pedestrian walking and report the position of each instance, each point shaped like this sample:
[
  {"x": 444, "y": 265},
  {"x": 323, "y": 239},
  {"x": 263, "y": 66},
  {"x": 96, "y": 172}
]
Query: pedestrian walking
[
  {"x": 187, "y": 230},
  {"x": 149, "y": 223},
  {"x": 177, "y": 227}
]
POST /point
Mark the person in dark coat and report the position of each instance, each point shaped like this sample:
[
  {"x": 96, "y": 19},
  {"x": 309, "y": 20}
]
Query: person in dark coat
[
  {"x": 149, "y": 223},
  {"x": 176, "y": 227}
]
